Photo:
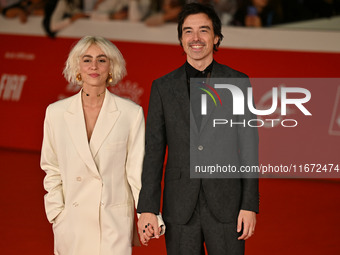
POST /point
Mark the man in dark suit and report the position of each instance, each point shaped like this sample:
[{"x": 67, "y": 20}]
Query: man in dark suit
[{"x": 218, "y": 212}]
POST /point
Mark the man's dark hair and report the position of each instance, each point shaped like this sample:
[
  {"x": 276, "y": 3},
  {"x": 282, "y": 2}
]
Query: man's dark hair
[{"x": 195, "y": 8}]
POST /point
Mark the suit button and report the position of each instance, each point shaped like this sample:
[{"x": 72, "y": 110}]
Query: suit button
[
  {"x": 75, "y": 204},
  {"x": 79, "y": 179},
  {"x": 200, "y": 148},
  {"x": 102, "y": 203}
]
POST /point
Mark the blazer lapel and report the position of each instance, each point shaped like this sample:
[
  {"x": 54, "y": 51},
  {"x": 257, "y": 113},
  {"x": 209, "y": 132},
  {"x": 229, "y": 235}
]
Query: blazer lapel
[
  {"x": 210, "y": 108},
  {"x": 106, "y": 119},
  {"x": 180, "y": 90},
  {"x": 75, "y": 121}
]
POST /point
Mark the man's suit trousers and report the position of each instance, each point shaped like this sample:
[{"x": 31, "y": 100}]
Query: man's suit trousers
[{"x": 203, "y": 227}]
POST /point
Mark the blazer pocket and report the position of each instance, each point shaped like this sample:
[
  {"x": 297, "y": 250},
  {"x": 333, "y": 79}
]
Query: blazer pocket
[
  {"x": 172, "y": 174},
  {"x": 117, "y": 145},
  {"x": 117, "y": 150},
  {"x": 124, "y": 210},
  {"x": 59, "y": 218},
  {"x": 117, "y": 205}
]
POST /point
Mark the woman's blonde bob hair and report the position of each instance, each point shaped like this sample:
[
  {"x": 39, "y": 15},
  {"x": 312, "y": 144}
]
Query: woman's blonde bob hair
[{"x": 117, "y": 62}]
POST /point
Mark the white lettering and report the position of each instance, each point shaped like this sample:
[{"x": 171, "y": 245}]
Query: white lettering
[
  {"x": 11, "y": 86},
  {"x": 257, "y": 122},
  {"x": 297, "y": 101},
  {"x": 219, "y": 122},
  {"x": 238, "y": 100}
]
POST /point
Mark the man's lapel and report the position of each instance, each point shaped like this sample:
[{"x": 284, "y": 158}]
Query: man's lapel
[{"x": 180, "y": 90}]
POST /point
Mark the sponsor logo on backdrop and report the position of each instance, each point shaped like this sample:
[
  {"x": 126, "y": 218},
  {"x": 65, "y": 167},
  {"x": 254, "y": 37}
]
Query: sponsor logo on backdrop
[
  {"x": 70, "y": 90},
  {"x": 11, "y": 86},
  {"x": 19, "y": 55},
  {"x": 129, "y": 90},
  {"x": 126, "y": 89},
  {"x": 334, "y": 127}
]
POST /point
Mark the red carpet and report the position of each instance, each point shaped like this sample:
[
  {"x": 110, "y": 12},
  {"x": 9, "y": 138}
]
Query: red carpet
[{"x": 297, "y": 216}]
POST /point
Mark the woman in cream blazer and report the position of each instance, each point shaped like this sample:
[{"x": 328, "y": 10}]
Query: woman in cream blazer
[{"x": 92, "y": 154}]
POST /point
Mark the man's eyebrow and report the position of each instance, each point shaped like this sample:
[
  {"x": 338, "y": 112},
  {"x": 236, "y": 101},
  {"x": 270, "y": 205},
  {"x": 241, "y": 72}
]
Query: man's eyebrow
[
  {"x": 186, "y": 28},
  {"x": 207, "y": 27}
]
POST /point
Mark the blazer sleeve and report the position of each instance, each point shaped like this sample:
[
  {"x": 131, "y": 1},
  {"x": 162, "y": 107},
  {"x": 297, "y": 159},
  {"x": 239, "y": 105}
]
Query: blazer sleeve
[
  {"x": 248, "y": 142},
  {"x": 135, "y": 155},
  {"x": 155, "y": 147},
  {"x": 54, "y": 198}
]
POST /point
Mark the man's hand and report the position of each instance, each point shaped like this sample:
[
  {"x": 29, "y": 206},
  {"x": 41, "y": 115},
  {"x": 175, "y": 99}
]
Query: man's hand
[
  {"x": 148, "y": 227},
  {"x": 248, "y": 219}
]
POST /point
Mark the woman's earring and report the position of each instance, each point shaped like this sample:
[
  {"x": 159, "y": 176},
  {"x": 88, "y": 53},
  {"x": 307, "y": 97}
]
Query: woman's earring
[
  {"x": 78, "y": 77},
  {"x": 110, "y": 77}
]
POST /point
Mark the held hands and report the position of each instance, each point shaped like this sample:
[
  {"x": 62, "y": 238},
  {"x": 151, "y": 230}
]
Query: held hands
[
  {"x": 248, "y": 219},
  {"x": 148, "y": 227}
]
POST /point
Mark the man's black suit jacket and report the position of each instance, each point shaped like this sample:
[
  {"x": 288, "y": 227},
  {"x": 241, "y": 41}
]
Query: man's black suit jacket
[{"x": 168, "y": 125}]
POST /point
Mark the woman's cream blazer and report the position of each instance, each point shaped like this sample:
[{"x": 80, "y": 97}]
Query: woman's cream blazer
[{"x": 92, "y": 187}]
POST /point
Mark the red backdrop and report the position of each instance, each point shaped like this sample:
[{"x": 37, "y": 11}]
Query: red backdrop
[
  {"x": 294, "y": 212},
  {"x": 31, "y": 78}
]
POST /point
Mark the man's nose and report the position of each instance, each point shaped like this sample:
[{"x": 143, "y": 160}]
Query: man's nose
[{"x": 196, "y": 36}]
